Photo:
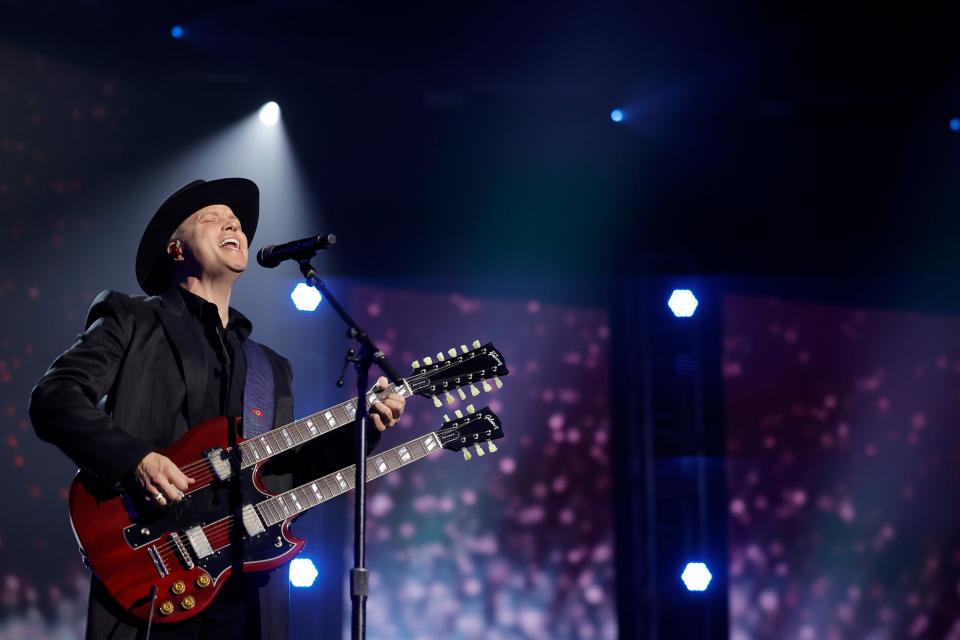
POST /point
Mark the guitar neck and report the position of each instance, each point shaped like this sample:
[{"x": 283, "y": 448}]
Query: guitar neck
[
  {"x": 292, "y": 435},
  {"x": 296, "y": 501}
]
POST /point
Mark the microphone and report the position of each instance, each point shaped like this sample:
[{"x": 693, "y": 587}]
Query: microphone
[{"x": 272, "y": 255}]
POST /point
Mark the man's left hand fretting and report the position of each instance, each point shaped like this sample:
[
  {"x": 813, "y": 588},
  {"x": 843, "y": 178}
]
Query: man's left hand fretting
[{"x": 386, "y": 413}]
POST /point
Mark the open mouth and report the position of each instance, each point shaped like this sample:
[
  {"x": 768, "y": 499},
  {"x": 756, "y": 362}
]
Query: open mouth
[{"x": 231, "y": 243}]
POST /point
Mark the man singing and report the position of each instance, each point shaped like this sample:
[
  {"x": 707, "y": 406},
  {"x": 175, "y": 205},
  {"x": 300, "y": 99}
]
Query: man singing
[{"x": 148, "y": 368}]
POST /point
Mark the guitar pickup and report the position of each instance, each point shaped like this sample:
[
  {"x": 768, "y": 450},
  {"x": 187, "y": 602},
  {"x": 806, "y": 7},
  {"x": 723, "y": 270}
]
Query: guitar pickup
[
  {"x": 220, "y": 463},
  {"x": 251, "y": 521},
  {"x": 198, "y": 541}
]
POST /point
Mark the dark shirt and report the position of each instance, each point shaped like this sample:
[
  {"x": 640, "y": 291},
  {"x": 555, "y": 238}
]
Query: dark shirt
[
  {"x": 222, "y": 358},
  {"x": 234, "y": 614}
]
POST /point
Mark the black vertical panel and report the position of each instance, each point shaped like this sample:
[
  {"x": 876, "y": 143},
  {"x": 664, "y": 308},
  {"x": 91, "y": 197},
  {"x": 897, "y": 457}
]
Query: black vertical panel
[{"x": 670, "y": 494}]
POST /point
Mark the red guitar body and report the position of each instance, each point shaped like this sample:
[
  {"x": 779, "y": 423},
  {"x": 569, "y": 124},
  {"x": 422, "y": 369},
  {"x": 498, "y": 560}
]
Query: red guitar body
[{"x": 188, "y": 550}]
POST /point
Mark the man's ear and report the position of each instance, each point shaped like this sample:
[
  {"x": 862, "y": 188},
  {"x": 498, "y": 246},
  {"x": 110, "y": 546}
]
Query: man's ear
[{"x": 175, "y": 250}]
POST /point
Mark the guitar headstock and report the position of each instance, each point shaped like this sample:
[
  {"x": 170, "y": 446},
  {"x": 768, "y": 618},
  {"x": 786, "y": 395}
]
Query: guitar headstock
[
  {"x": 472, "y": 429},
  {"x": 456, "y": 370}
]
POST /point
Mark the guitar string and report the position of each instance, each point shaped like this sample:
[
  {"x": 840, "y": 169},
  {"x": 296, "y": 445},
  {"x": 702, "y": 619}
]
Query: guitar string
[
  {"x": 216, "y": 527},
  {"x": 225, "y": 524},
  {"x": 200, "y": 463}
]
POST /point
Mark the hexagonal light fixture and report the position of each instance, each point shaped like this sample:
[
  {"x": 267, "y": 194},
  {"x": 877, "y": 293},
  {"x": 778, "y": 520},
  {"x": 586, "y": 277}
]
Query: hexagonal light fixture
[
  {"x": 305, "y": 297},
  {"x": 303, "y": 573},
  {"x": 696, "y": 576},
  {"x": 683, "y": 303}
]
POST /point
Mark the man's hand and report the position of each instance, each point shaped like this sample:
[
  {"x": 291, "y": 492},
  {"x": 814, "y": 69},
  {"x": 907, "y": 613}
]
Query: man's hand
[
  {"x": 162, "y": 481},
  {"x": 387, "y": 413}
]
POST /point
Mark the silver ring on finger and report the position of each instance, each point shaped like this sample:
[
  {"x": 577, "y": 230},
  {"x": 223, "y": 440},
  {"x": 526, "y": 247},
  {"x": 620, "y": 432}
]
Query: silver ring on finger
[{"x": 158, "y": 497}]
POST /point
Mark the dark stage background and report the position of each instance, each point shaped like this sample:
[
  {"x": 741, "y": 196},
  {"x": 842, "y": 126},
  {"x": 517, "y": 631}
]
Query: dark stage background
[{"x": 842, "y": 471}]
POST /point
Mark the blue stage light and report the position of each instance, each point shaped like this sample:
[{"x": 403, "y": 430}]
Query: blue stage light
[
  {"x": 954, "y": 124},
  {"x": 305, "y": 297},
  {"x": 177, "y": 32},
  {"x": 303, "y": 573},
  {"x": 683, "y": 303},
  {"x": 616, "y": 115},
  {"x": 696, "y": 576}
]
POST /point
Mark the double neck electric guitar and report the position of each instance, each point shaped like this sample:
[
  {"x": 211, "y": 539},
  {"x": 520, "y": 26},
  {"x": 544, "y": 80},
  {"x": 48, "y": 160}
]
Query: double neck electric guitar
[{"x": 173, "y": 561}]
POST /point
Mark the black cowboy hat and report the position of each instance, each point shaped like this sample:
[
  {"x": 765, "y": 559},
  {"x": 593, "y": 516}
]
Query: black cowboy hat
[{"x": 154, "y": 266}]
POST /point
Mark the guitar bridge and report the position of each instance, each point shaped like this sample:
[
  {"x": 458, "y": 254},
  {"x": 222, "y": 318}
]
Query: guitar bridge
[{"x": 181, "y": 550}]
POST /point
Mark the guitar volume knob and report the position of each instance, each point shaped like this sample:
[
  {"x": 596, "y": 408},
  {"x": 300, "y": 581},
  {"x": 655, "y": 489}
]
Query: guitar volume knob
[
  {"x": 178, "y": 587},
  {"x": 188, "y": 603},
  {"x": 203, "y": 581},
  {"x": 166, "y": 608}
]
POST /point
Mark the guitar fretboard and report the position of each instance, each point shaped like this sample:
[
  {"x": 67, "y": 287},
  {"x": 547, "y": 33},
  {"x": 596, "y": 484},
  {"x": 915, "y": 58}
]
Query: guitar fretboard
[
  {"x": 296, "y": 433},
  {"x": 298, "y": 500}
]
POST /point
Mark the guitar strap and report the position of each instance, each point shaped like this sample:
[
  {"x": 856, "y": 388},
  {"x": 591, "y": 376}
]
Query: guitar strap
[{"x": 258, "y": 391}]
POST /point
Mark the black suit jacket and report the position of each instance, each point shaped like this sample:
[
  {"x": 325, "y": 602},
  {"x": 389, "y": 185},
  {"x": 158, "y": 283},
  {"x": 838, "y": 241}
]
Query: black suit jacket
[{"x": 125, "y": 388}]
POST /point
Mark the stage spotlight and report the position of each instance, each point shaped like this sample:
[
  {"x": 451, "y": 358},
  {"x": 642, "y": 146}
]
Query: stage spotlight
[
  {"x": 696, "y": 576},
  {"x": 177, "y": 32},
  {"x": 682, "y": 303},
  {"x": 616, "y": 115},
  {"x": 303, "y": 572},
  {"x": 305, "y": 297},
  {"x": 270, "y": 113},
  {"x": 954, "y": 124}
]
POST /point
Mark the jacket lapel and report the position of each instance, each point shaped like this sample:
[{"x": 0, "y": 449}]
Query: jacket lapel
[{"x": 187, "y": 345}]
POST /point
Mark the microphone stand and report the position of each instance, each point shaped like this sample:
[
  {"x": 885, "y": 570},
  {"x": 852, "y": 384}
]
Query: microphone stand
[{"x": 368, "y": 355}]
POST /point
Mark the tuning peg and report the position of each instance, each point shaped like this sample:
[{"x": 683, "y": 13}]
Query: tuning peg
[
  {"x": 416, "y": 364},
  {"x": 463, "y": 348},
  {"x": 486, "y": 386},
  {"x": 450, "y": 398},
  {"x": 476, "y": 344},
  {"x": 474, "y": 391},
  {"x": 480, "y": 451},
  {"x": 446, "y": 418},
  {"x": 492, "y": 447},
  {"x": 440, "y": 356},
  {"x": 428, "y": 361},
  {"x": 496, "y": 381},
  {"x": 436, "y": 402},
  {"x": 460, "y": 393},
  {"x": 466, "y": 454},
  {"x": 471, "y": 409},
  {"x": 458, "y": 413}
]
